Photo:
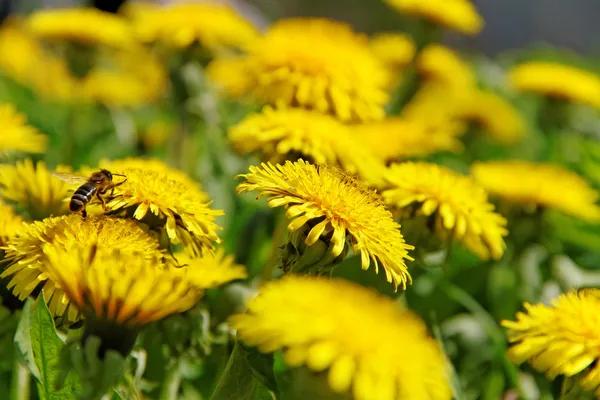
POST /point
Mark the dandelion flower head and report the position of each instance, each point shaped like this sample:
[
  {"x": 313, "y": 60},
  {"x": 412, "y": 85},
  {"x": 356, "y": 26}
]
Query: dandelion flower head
[
  {"x": 444, "y": 65},
  {"x": 28, "y": 264},
  {"x": 329, "y": 205},
  {"x": 10, "y": 222},
  {"x": 458, "y": 206},
  {"x": 16, "y": 135},
  {"x": 399, "y": 138},
  {"x": 500, "y": 119},
  {"x": 163, "y": 197},
  {"x": 231, "y": 76},
  {"x": 136, "y": 78},
  {"x": 87, "y": 26},
  {"x": 395, "y": 49},
  {"x": 322, "y": 65},
  {"x": 458, "y": 15},
  {"x": 539, "y": 184},
  {"x": 119, "y": 288},
  {"x": 349, "y": 331},
  {"x": 212, "y": 270},
  {"x": 291, "y": 133},
  {"x": 557, "y": 80},
  {"x": 561, "y": 338},
  {"x": 33, "y": 188},
  {"x": 23, "y": 59},
  {"x": 214, "y": 26}
]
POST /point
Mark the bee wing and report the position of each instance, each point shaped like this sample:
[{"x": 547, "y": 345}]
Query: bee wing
[{"x": 73, "y": 179}]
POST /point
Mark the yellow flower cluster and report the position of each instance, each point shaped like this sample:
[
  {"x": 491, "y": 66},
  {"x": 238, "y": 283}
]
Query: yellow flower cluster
[
  {"x": 352, "y": 333},
  {"x": 561, "y": 338},
  {"x": 539, "y": 185},
  {"x": 459, "y": 15},
  {"x": 10, "y": 222},
  {"x": 326, "y": 207},
  {"x": 456, "y": 205},
  {"x": 214, "y": 26},
  {"x": 16, "y": 135},
  {"x": 557, "y": 80}
]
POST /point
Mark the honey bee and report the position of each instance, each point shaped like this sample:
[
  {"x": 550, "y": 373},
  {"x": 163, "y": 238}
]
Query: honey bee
[{"x": 95, "y": 185}]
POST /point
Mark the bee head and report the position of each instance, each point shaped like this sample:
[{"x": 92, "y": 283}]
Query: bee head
[{"x": 107, "y": 173}]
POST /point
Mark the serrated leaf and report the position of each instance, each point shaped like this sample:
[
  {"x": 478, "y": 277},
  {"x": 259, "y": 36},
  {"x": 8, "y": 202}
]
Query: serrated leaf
[{"x": 46, "y": 346}]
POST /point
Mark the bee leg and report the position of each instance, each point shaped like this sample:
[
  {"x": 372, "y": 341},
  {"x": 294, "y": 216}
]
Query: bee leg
[
  {"x": 83, "y": 213},
  {"x": 112, "y": 190},
  {"x": 102, "y": 201}
]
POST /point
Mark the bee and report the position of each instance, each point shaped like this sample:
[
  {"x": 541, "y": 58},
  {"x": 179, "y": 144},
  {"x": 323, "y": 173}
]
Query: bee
[{"x": 95, "y": 185}]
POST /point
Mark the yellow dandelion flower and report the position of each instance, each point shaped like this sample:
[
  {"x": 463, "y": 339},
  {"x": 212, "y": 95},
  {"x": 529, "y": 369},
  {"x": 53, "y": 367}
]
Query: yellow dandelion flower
[
  {"x": 23, "y": 59},
  {"x": 137, "y": 78},
  {"x": 10, "y": 222},
  {"x": 88, "y": 26},
  {"x": 539, "y": 184},
  {"x": 230, "y": 75},
  {"x": 15, "y": 134},
  {"x": 560, "y": 339},
  {"x": 456, "y": 204},
  {"x": 118, "y": 293},
  {"x": 211, "y": 270},
  {"x": 325, "y": 207},
  {"x": 292, "y": 133},
  {"x": 213, "y": 26},
  {"x": 500, "y": 119},
  {"x": 28, "y": 264},
  {"x": 458, "y": 15},
  {"x": 395, "y": 49},
  {"x": 165, "y": 198},
  {"x": 445, "y": 66},
  {"x": 399, "y": 138},
  {"x": 557, "y": 80},
  {"x": 34, "y": 188},
  {"x": 354, "y": 338},
  {"x": 319, "y": 64}
]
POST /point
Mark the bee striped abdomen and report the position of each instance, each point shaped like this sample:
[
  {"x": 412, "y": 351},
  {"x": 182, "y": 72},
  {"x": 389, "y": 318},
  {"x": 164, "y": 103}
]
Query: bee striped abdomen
[{"x": 82, "y": 196}]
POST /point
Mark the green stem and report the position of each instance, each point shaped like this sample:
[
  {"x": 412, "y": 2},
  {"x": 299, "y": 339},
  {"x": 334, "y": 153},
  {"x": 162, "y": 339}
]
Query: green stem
[
  {"x": 20, "y": 384},
  {"x": 170, "y": 386},
  {"x": 271, "y": 264}
]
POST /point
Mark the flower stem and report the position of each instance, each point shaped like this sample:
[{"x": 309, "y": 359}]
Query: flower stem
[
  {"x": 20, "y": 385},
  {"x": 170, "y": 386},
  {"x": 271, "y": 263}
]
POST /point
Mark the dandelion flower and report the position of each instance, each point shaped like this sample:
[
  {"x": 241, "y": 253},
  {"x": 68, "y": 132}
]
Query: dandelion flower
[
  {"x": 325, "y": 207},
  {"x": 395, "y": 49},
  {"x": 28, "y": 264},
  {"x": 179, "y": 25},
  {"x": 557, "y": 80},
  {"x": 560, "y": 339},
  {"x": 165, "y": 198},
  {"x": 118, "y": 293},
  {"x": 539, "y": 185},
  {"x": 15, "y": 134},
  {"x": 22, "y": 58},
  {"x": 445, "y": 66},
  {"x": 352, "y": 333},
  {"x": 456, "y": 204},
  {"x": 34, "y": 188},
  {"x": 458, "y": 15},
  {"x": 87, "y": 26},
  {"x": 322, "y": 65},
  {"x": 10, "y": 222},
  {"x": 399, "y": 138},
  {"x": 138, "y": 78},
  {"x": 500, "y": 119},
  {"x": 212, "y": 270},
  {"x": 231, "y": 76},
  {"x": 292, "y": 133}
]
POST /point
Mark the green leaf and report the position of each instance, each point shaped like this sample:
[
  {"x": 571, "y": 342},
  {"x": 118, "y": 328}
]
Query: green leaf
[
  {"x": 40, "y": 348},
  {"x": 237, "y": 381},
  {"x": 262, "y": 367}
]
